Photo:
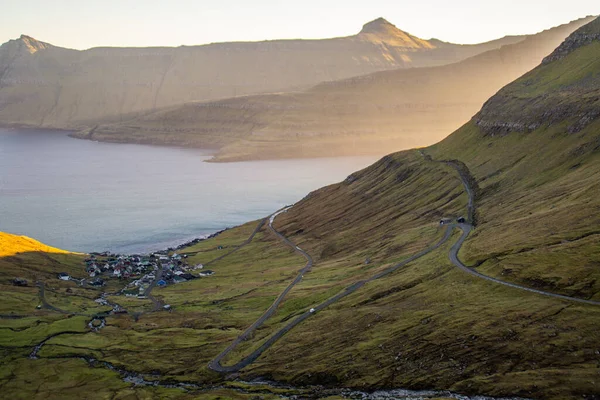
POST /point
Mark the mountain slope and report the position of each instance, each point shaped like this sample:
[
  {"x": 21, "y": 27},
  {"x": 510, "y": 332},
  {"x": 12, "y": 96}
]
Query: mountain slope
[
  {"x": 57, "y": 87},
  {"x": 535, "y": 150},
  {"x": 426, "y": 325},
  {"x": 371, "y": 114},
  {"x": 430, "y": 325}
]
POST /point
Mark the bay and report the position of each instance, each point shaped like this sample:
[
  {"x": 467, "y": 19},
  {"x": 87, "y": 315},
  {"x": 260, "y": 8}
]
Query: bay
[{"x": 88, "y": 196}]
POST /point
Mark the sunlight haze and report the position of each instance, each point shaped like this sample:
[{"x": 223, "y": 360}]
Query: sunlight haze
[{"x": 82, "y": 25}]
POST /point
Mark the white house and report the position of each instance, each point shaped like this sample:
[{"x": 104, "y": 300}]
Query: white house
[{"x": 64, "y": 276}]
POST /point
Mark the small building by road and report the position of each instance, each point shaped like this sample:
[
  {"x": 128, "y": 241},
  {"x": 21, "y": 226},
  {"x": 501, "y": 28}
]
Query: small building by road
[{"x": 64, "y": 276}]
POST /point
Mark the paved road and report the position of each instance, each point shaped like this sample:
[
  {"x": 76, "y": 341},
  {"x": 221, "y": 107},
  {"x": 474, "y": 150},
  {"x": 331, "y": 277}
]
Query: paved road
[
  {"x": 467, "y": 228},
  {"x": 215, "y": 364},
  {"x": 48, "y": 306},
  {"x": 453, "y": 255},
  {"x": 244, "y": 243},
  {"x": 157, "y": 304}
]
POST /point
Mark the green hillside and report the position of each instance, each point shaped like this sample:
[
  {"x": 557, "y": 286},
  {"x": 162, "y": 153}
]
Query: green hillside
[
  {"x": 373, "y": 299},
  {"x": 535, "y": 151}
]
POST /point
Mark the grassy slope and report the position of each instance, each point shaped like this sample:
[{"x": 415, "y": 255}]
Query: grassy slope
[
  {"x": 432, "y": 326},
  {"x": 13, "y": 244},
  {"x": 177, "y": 344},
  {"x": 428, "y": 325},
  {"x": 539, "y": 206}
]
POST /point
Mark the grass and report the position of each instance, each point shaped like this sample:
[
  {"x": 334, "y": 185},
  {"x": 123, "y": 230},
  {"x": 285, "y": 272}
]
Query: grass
[
  {"x": 11, "y": 245},
  {"x": 39, "y": 330},
  {"x": 428, "y": 325}
]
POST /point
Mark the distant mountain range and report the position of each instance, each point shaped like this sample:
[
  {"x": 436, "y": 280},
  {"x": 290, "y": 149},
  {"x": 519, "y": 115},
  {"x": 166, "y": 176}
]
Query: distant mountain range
[
  {"x": 369, "y": 114},
  {"x": 45, "y": 85},
  {"x": 380, "y": 90}
]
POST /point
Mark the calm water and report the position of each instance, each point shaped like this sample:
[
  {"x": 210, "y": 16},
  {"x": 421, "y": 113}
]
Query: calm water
[{"x": 89, "y": 196}]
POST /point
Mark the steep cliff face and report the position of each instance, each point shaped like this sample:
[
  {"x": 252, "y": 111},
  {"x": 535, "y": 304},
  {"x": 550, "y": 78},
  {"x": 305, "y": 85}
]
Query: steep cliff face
[
  {"x": 564, "y": 89},
  {"x": 55, "y": 87},
  {"x": 582, "y": 37}
]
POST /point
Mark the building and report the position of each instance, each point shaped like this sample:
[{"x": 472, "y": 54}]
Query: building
[{"x": 64, "y": 276}]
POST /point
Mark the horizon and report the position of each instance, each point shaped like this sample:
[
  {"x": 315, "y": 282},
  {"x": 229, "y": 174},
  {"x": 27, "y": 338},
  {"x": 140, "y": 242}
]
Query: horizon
[{"x": 190, "y": 24}]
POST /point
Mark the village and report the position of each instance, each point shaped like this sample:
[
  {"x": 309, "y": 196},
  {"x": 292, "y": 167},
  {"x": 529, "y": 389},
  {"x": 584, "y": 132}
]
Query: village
[{"x": 141, "y": 273}]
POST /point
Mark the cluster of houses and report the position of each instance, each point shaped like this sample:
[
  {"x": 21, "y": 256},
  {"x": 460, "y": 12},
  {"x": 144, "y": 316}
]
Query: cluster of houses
[
  {"x": 175, "y": 269},
  {"x": 140, "y": 270},
  {"x": 119, "y": 266}
]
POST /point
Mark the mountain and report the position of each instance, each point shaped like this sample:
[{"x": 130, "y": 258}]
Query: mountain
[
  {"x": 367, "y": 288},
  {"x": 369, "y": 114},
  {"x": 532, "y": 157},
  {"x": 62, "y": 88}
]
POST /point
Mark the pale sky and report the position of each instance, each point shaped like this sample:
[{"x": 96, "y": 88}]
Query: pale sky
[{"x": 82, "y": 24}]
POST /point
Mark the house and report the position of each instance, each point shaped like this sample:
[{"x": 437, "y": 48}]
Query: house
[
  {"x": 178, "y": 279},
  {"x": 445, "y": 221},
  {"x": 208, "y": 272},
  {"x": 97, "y": 282},
  {"x": 188, "y": 277},
  {"x": 101, "y": 301},
  {"x": 19, "y": 282},
  {"x": 64, "y": 276},
  {"x": 161, "y": 283},
  {"x": 461, "y": 220}
]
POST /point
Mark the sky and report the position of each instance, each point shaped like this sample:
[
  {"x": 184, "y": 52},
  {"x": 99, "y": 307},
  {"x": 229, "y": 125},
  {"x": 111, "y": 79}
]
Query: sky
[{"x": 90, "y": 23}]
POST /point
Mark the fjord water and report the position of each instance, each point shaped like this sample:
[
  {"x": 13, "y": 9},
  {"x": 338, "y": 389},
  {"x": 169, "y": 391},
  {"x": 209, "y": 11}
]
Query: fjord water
[{"x": 88, "y": 196}]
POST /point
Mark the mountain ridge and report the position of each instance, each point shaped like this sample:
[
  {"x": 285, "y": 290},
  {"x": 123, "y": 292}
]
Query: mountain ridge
[
  {"x": 534, "y": 100},
  {"x": 55, "y": 87},
  {"x": 368, "y": 114}
]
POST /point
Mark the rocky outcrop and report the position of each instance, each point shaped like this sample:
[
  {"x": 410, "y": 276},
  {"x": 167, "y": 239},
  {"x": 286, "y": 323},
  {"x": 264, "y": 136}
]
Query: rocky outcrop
[
  {"x": 581, "y": 37},
  {"x": 561, "y": 91}
]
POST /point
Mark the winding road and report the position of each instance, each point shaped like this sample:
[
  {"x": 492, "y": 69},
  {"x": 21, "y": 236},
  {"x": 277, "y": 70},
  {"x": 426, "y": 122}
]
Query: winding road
[
  {"x": 244, "y": 243},
  {"x": 48, "y": 306},
  {"x": 215, "y": 364},
  {"x": 466, "y": 229}
]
